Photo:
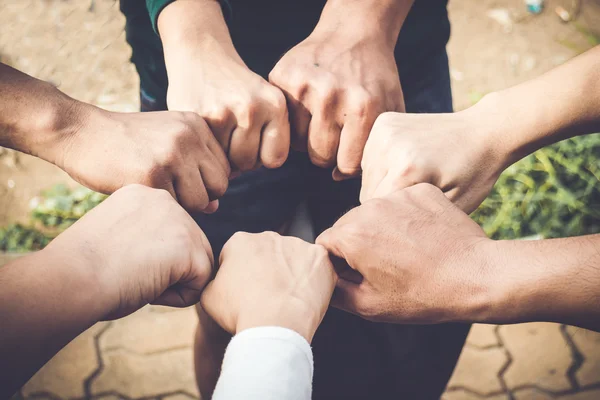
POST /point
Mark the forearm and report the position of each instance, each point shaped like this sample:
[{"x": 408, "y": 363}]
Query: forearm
[
  {"x": 46, "y": 300},
  {"x": 562, "y": 103},
  {"x": 194, "y": 25},
  {"x": 380, "y": 20},
  {"x": 35, "y": 117},
  {"x": 547, "y": 280}
]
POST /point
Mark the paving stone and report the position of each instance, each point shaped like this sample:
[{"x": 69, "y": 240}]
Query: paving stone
[
  {"x": 478, "y": 370},
  {"x": 584, "y": 395},
  {"x": 147, "y": 332},
  {"x": 541, "y": 357},
  {"x": 464, "y": 395},
  {"x": 64, "y": 374},
  {"x": 531, "y": 394},
  {"x": 483, "y": 335},
  {"x": 135, "y": 375},
  {"x": 588, "y": 343}
]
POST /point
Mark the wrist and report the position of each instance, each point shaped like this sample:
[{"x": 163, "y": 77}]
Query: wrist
[
  {"x": 77, "y": 281},
  {"x": 51, "y": 127},
  {"x": 294, "y": 315},
  {"x": 192, "y": 26},
  {"x": 380, "y": 21}
]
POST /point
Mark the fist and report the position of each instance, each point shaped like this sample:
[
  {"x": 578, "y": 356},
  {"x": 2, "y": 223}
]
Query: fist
[
  {"x": 246, "y": 114},
  {"x": 418, "y": 258},
  {"x": 335, "y": 90},
  {"x": 450, "y": 151},
  {"x": 267, "y": 279},
  {"x": 143, "y": 248},
  {"x": 174, "y": 151}
]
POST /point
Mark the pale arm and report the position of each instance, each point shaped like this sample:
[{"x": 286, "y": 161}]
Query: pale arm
[
  {"x": 562, "y": 103},
  {"x": 376, "y": 19}
]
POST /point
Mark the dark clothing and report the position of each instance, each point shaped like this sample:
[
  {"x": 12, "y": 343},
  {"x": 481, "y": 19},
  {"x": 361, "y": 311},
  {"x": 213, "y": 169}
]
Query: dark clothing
[{"x": 354, "y": 358}]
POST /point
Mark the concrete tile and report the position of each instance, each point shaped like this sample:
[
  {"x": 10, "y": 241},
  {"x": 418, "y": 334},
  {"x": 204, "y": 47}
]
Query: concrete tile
[
  {"x": 464, "y": 395},
  {"x": 482, "y": 335},
  {"x": 477, "y": 370},
  {"x": 147, "y": 332},
  {"x": 531, "y": 394},
  {"x": 588, "y": 343},
  {"x": 135, "y": 375},
  {"x": 584, "y": 395},
  {"x": 541, "y": 357},
  {"x": 64, "y": 374}
]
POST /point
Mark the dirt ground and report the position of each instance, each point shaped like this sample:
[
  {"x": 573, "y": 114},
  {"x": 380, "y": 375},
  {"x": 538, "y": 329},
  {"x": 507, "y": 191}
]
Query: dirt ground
[{"x": 80, "y": 47}]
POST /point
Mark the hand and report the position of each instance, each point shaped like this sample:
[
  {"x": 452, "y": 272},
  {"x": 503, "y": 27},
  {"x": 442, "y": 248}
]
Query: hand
[
  {"x": 247, "y": 115},
  {"x": 174, "y": 151},
  {"x": 267, "y": 279},
  {"x": 141, "y": 247},
  {"x": 451, "y": 151},
  {"x": 336, "y": 85},
  {"x": 422, "y": 260}
]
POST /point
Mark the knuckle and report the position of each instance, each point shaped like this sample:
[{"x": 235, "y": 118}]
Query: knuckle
[
  {"x": 384, "y": 120},
  {"x": 221, "y": 187},
  {"x": 247, "y": 114},
  {"x": 276, "y": 99},
  {"x": 219, "y": 115}
]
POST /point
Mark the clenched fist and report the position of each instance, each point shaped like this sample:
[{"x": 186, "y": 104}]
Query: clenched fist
[
  {"x": 140, "y": 247},
  {"x": 174, "y": 151},
  {"x": 267, "y": 279},
  {"x": 337, "y": 83},
  {"x": 416, "y": 258},
  {"x": 451, "y": 151},
  {"x": 206, "y": 75}
]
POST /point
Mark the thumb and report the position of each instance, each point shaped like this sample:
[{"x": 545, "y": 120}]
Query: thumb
[{"x": 348, "y": 296}]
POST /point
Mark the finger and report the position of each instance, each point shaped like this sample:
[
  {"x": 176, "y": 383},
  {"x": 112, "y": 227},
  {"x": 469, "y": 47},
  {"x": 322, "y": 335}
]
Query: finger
[
  {"x": 299, "y": 118},
  {"x": 211, "y": 306},
  {"x": 191, "y": 192},
  {"x": 215, "y": 178},
  {"x": 208, "y": 137},
  {"x": 221, "y": 122},
  {"x": 353, "y": 138},
  {"x": 346, "y": 296},
  {"x": 323, "y": 140},
  {"x": 371, "y": 179},
  {"x": 244, "y": 148},
  {"x": 212, "y": 207},
  {"x": 275, "y": 143},
  {"x": 178, "y": 296}
]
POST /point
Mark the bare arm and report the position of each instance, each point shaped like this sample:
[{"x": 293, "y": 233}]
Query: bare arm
[
  {"x": 554, "y": 280},
  {"x": 46, "y": 300},
  {"x": 103, "y": 267},
  {"x": 464, "y": 153},
  {"x": 423, "y": 260},
  {"x": 207, "y": 76},
  {"x": 35, "y": 117},
  {"x": 562, "y": 103}
]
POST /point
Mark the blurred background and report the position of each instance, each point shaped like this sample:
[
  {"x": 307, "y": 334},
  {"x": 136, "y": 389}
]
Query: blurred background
[{"x": 79, "y": 46}]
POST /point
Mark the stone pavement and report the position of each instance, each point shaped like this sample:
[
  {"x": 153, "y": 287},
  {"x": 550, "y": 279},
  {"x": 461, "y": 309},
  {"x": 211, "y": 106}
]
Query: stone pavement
[{"x": 148, "y": 355}]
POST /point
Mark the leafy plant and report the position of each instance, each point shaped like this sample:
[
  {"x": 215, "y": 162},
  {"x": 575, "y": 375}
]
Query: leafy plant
[
  {"x": 554, "y": 192},
  {"x": 54, "y": 211}
]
